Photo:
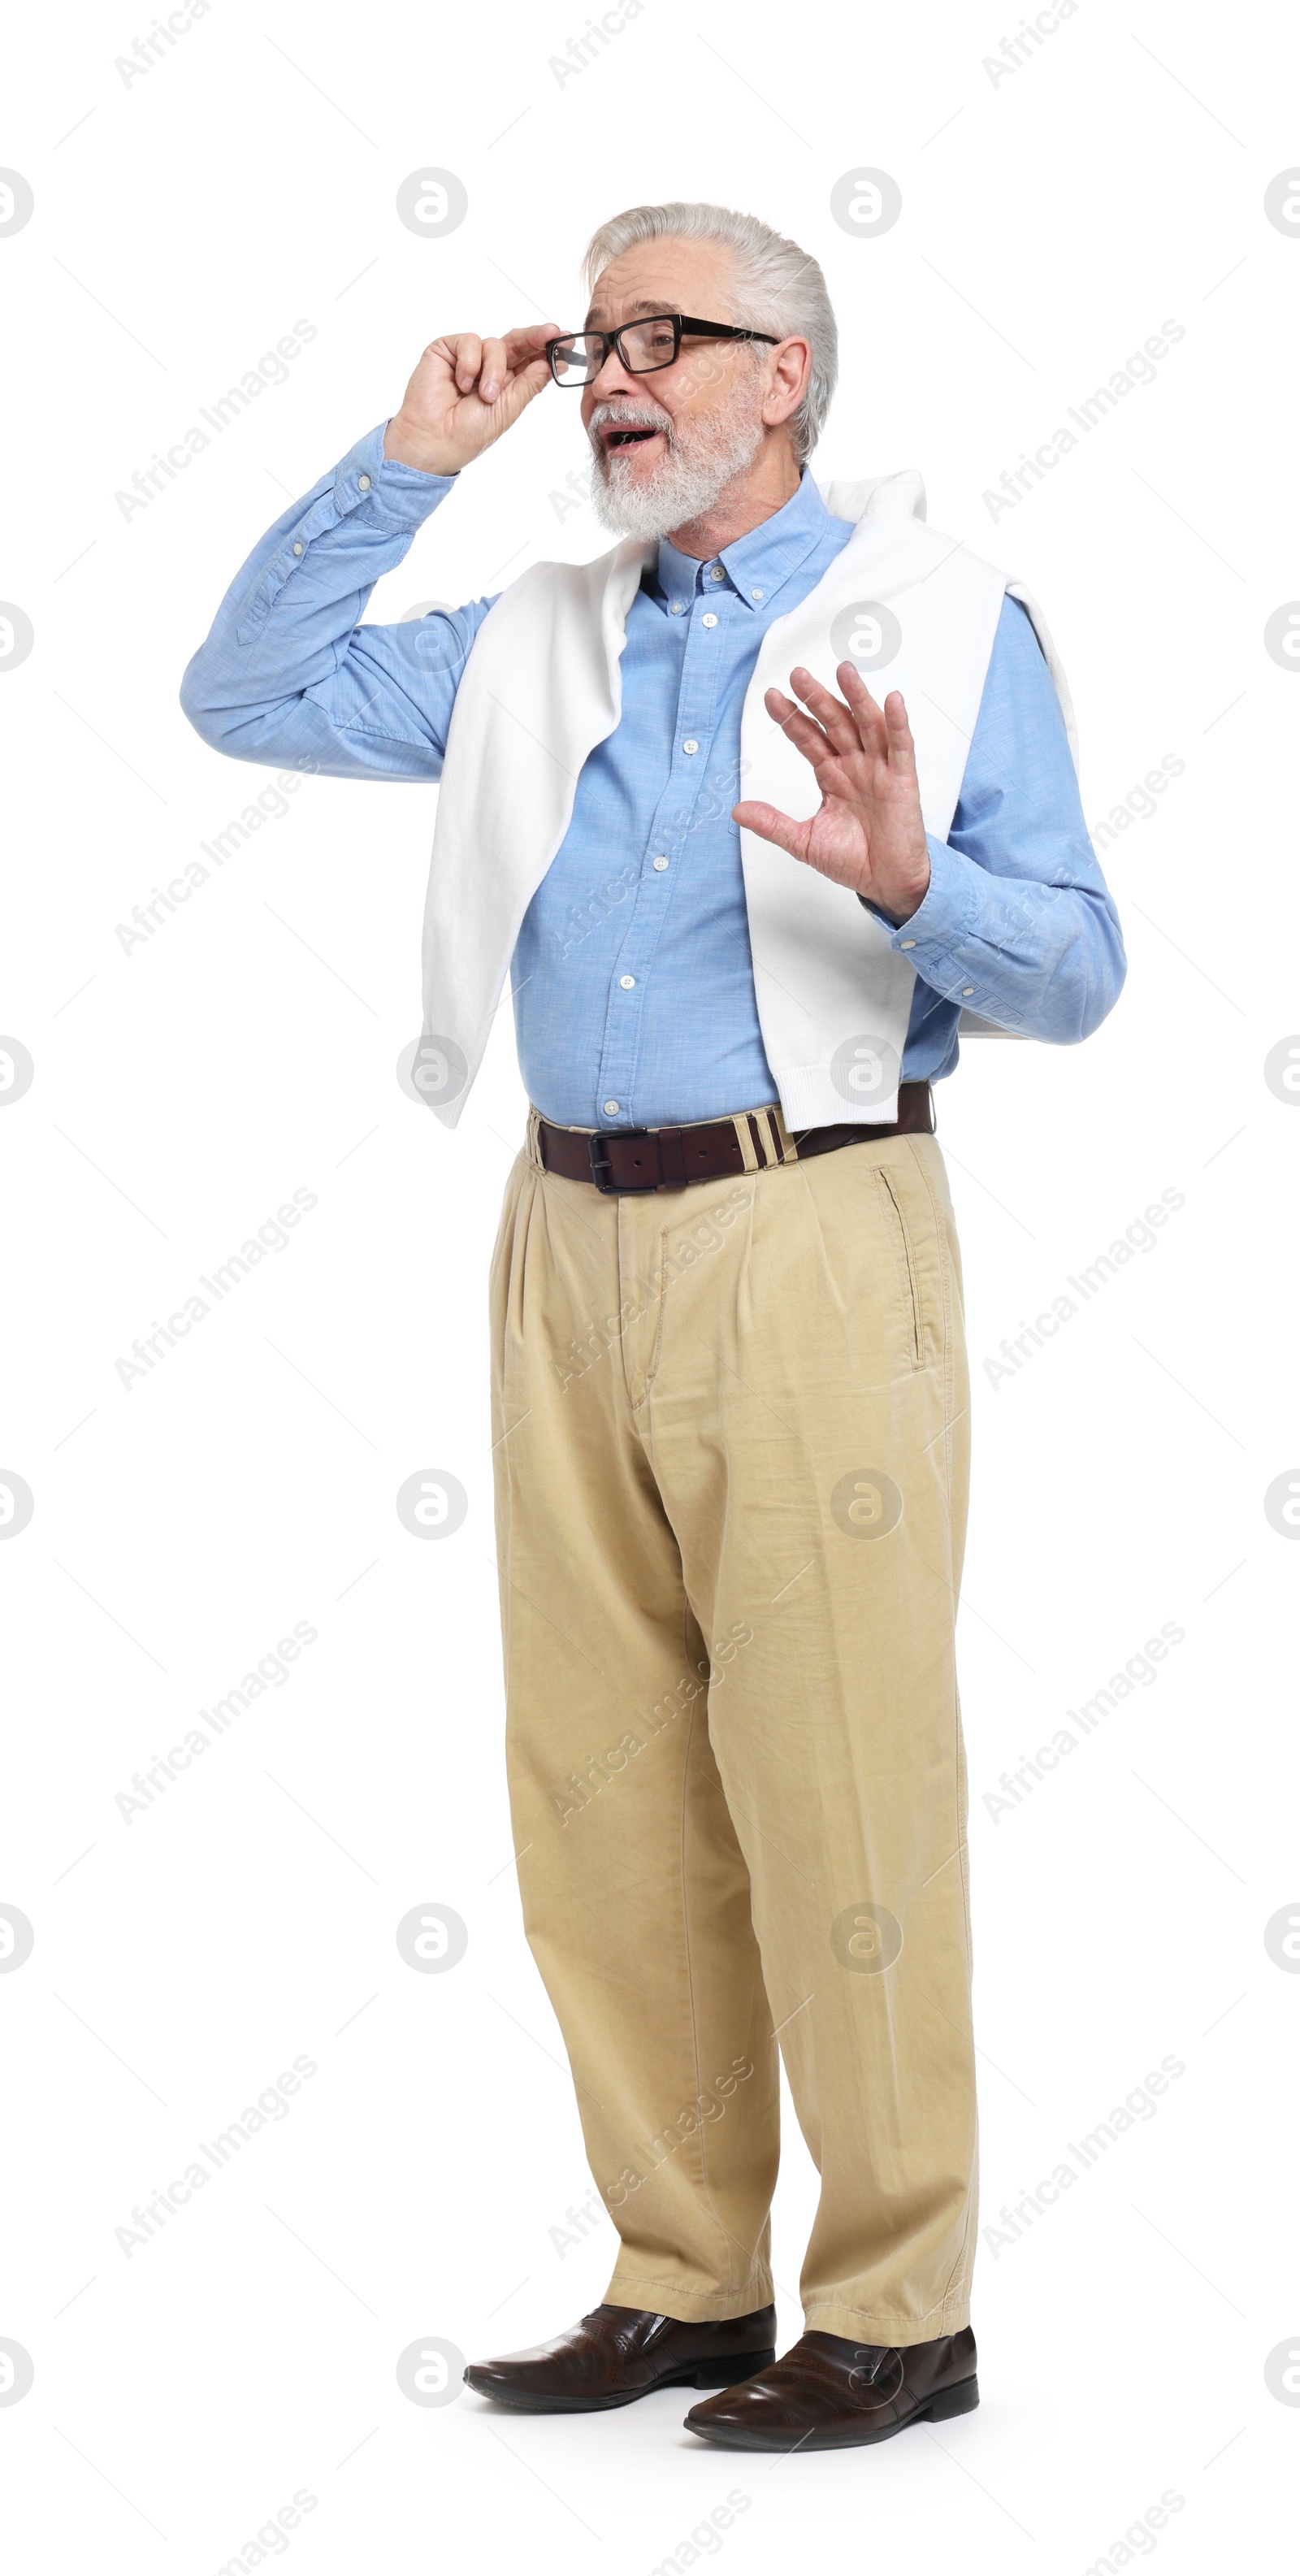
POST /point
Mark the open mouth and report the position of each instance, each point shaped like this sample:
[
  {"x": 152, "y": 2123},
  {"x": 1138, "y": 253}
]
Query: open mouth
[{"x": 613, "y": 436}]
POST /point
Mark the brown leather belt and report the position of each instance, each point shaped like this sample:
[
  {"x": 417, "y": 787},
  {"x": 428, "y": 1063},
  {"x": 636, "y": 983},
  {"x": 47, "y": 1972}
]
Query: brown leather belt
[{"x": 626, "y": 1159}]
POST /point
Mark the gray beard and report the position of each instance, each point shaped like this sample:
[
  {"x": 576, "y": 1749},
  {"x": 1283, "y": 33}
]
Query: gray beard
[{"x": 689, "y": 479}]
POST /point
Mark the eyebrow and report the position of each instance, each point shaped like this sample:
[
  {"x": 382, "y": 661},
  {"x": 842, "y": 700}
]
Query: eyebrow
[{"x": 642, "y": 304}]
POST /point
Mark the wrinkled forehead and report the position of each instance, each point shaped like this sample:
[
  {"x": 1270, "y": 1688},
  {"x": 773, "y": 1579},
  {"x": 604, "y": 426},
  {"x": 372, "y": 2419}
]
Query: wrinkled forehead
[{"x": 665, "y": 277}]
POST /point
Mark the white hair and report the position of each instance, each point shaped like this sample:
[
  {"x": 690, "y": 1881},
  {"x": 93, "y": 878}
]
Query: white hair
[{"x": 780, "y": 288}]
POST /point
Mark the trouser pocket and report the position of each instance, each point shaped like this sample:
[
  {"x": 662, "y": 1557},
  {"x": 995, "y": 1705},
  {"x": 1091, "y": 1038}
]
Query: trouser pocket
[{"x": 907, "y": 1279}]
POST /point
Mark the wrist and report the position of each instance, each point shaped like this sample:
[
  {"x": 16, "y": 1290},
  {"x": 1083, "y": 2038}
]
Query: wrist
[
  {"x": 405, "y": 444},
  {"x": 900, "y": 903}
]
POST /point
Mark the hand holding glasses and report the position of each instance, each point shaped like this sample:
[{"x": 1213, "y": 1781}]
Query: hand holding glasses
[{"x": 467, "y": 390}]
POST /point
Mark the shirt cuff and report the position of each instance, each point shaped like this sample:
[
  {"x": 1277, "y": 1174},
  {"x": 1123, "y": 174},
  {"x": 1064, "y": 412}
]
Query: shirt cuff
[
  {"x": 400, "y": 496},
  {"x": 940, "y": 927}
]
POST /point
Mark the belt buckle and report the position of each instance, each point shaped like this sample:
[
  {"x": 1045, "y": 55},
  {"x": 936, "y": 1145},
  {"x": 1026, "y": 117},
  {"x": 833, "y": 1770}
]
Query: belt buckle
[{"x": 601, "y": 1166}]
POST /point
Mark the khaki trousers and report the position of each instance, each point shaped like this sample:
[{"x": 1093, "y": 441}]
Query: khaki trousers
[{"x": 731, "y": 1443}]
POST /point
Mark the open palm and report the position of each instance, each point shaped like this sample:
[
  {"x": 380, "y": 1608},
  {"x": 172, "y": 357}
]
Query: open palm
[{"x": 868, "y": 833}]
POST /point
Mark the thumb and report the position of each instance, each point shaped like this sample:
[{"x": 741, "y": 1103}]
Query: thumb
[
  {"x": 769, "y": 824},
  {"x": 522, "y": 389}
]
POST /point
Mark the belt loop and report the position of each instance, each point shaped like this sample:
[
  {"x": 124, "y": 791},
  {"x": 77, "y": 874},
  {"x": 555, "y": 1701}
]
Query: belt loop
[
  {"x": 763, "y": 1137},
  {"x": 746, "y": 1143},
  {"x": 532, "y": 1140},
  {"x": 672, "y": 1161},
  {"x": 789, "y": 1149}
]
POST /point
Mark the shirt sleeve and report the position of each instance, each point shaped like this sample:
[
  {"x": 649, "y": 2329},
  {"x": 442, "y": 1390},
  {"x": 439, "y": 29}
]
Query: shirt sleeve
[
  {"x": 1017, "y": 923},
  {"x": 289, "y": 677}
]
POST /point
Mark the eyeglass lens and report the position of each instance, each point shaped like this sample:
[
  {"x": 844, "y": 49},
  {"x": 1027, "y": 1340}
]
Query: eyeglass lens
[{"x": 646, "y": 345}]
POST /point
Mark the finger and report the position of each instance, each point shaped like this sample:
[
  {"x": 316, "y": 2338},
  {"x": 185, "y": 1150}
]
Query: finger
[
  {"x": 771, "y": 825},
  {"x": 798, "y": 728},
  {"x": 902, "y": 749},
  {"x": 778, "y": 706},
  {"x": 529, "y": 341},
  {"x": 466, "y": 359},
  {"x": 523, "y": 388},
  {"x": 495, "y": 372},
  {"x": 830, "y": 711},
  {"x": 525, "y": 367},
  {"x": 866, "y": 714}
]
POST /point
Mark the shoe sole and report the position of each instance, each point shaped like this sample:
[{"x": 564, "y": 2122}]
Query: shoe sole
[
  {"x": 960, "y": 2400},
  {"x": 702, "y": 2374}
]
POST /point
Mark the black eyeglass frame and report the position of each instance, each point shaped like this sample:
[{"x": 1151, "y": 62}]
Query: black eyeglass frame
[{"x": 684, "y": 325}]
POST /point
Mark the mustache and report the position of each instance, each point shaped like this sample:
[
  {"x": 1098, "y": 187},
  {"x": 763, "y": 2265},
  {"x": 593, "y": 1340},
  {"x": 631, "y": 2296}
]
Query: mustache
[{"x": 629, "y": 415}]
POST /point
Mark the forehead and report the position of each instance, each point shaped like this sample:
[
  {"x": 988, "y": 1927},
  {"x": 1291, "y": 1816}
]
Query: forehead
[{"x": 665, "y": 277}]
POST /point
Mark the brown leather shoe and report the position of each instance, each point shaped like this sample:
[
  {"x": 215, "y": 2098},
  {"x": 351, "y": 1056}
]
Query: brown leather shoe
[
  {"x": 617, "y": 2354},
  {"x": 827, "y": 2395}
]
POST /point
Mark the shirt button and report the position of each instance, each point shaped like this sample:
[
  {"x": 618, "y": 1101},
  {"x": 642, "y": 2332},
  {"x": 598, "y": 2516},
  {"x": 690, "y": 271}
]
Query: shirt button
[
  {"x": 756, "y": 594},
  {"x": 661, "y": 863},
  {"x": 363, "y": 482},
  {"x": 690, "y": 746},
  {"x": 610, "y": 1108},
  {"x": 297, "y": 549},
  {"x": 709, "y": 618},
  {"x": 675, "y": 607},
  {"x": 966, "y": 991},
  {"x": 907, "y": 943},
  {"x": 627, "y": 982},
  {"x": 716, "y": 573}
]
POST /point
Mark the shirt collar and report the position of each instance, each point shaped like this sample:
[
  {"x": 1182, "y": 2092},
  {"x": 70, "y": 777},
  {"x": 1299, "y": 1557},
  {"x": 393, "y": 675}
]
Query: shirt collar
[{"x": 759, "y": 564}]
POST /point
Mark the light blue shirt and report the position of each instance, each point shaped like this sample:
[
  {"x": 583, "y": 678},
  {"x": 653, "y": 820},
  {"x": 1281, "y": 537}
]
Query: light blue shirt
[{"x": 632, "y": 979}]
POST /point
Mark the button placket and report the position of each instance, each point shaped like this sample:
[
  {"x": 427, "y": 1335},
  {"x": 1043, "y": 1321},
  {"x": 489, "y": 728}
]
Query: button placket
[
  {"x": 693, "y": 722},
  {"x": 697, "y": 697}
]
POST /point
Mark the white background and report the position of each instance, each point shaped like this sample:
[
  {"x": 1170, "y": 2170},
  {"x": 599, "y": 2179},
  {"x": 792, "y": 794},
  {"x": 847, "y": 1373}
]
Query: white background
[{"x": 1051, "y": 221}]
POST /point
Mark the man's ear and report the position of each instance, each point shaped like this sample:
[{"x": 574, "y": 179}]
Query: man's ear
[{"x": 791, "y": 369}]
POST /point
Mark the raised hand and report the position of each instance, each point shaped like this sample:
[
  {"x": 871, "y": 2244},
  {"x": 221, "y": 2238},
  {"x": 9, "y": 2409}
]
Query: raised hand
[
  {"x": 868, "y": 834},
  {"x": 464, "y": 393}
]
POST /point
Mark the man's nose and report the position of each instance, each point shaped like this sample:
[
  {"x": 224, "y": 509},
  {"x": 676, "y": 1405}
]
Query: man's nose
[{"x": 612, "y": 379}]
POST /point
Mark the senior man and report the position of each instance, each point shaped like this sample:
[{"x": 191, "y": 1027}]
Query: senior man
[{"x": 729, "y": 1381}]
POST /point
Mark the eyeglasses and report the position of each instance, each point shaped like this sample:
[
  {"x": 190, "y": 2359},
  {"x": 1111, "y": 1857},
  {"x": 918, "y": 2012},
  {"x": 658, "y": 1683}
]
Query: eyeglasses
[{"x": 642, "y": 347}]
